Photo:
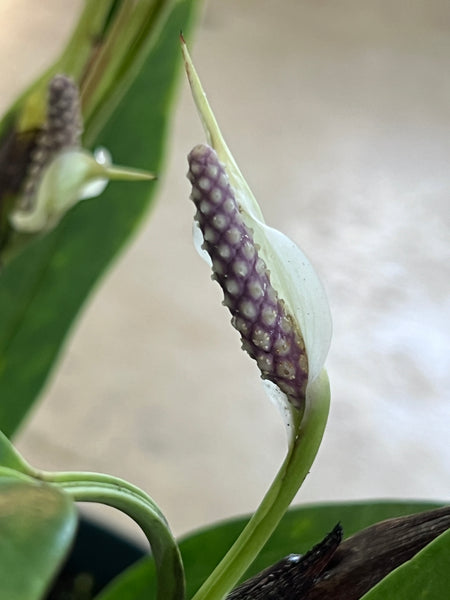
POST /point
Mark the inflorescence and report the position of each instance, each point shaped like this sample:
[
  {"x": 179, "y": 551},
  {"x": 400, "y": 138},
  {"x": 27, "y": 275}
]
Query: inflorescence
[{"x": 268, "y": 332}]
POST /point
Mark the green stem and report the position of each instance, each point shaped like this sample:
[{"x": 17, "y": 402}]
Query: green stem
[
  {"x": 135, "y": 30},
  {"x": 88, "y": 32},
  {"x": 303, "y": 448},
  {"x": 29, "y": 108},
  {"x": 115, "y": 492}
]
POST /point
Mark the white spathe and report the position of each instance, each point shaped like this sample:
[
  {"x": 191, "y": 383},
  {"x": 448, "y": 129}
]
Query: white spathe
[
  {"x": 71, "y": 176},
  {"x": 291, "y": 273}
]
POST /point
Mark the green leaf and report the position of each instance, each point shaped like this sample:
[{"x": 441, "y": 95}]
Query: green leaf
[
  {"x": 37, "y": 527},
  {"x": 43, "y": 289},
  {"x": 424, "y": 577},
  {"x": 300, "y": 529},
  {"x": 9, "y": 457},
  {"x": 136, "y": 583}
]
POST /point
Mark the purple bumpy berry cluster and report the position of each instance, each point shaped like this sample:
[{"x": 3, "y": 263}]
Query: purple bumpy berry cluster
[
  {"x": 62, "y": 130},
  {"x": 268, "y": 333}
]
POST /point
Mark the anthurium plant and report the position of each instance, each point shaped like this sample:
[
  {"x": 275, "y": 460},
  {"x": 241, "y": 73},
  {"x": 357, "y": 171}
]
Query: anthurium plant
[{"x": 56, "y": 144}]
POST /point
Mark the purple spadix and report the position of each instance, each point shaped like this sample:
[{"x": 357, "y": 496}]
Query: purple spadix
[{"x": 268, "y": 332}]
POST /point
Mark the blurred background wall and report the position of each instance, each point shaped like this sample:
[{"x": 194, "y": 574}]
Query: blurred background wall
[{"x": 338, "y": 113}]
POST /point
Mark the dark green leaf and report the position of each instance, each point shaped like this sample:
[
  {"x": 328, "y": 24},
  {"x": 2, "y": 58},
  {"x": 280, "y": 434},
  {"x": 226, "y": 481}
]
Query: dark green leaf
[
  {"x": 424, "y": 577},
  {"x": 299, "y": 530},
  {"x": 37, "y": 526},
  {"x": 137, "y": 583},
  {"x": 43, "y": 289}
]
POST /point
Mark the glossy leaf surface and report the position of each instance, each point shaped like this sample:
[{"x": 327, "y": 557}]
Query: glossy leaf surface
[
  {"x": 37, "y": 527},
  {"x": 424, "y": 577}
]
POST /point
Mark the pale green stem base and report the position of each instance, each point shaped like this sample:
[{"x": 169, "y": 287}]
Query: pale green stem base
[{"x": 302, "y": 451}]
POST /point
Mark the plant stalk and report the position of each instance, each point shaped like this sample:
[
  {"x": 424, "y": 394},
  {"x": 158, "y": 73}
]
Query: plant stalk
[
  {"x": 119, "y": 494},
  {"x": 302, "y": 450}
]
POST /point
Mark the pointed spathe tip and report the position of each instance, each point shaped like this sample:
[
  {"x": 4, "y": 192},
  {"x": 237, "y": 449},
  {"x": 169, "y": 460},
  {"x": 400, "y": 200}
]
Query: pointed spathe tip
[{"x": 119, "y": 173}]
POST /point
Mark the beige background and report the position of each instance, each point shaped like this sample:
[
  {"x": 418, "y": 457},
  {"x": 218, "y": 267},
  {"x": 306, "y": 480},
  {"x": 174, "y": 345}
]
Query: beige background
[{"x": 339, "y": 115}]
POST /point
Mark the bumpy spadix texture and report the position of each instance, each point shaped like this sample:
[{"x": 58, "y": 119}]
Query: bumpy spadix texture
[
  {"x": 268, "y": 333},
  {"x": 62, "y": 130}
]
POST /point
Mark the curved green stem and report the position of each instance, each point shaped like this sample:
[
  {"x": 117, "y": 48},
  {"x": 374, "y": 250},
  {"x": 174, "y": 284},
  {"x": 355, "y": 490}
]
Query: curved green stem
[
  {"x": 115, "y": 492},
  {"x": 302, "y": 451}
]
